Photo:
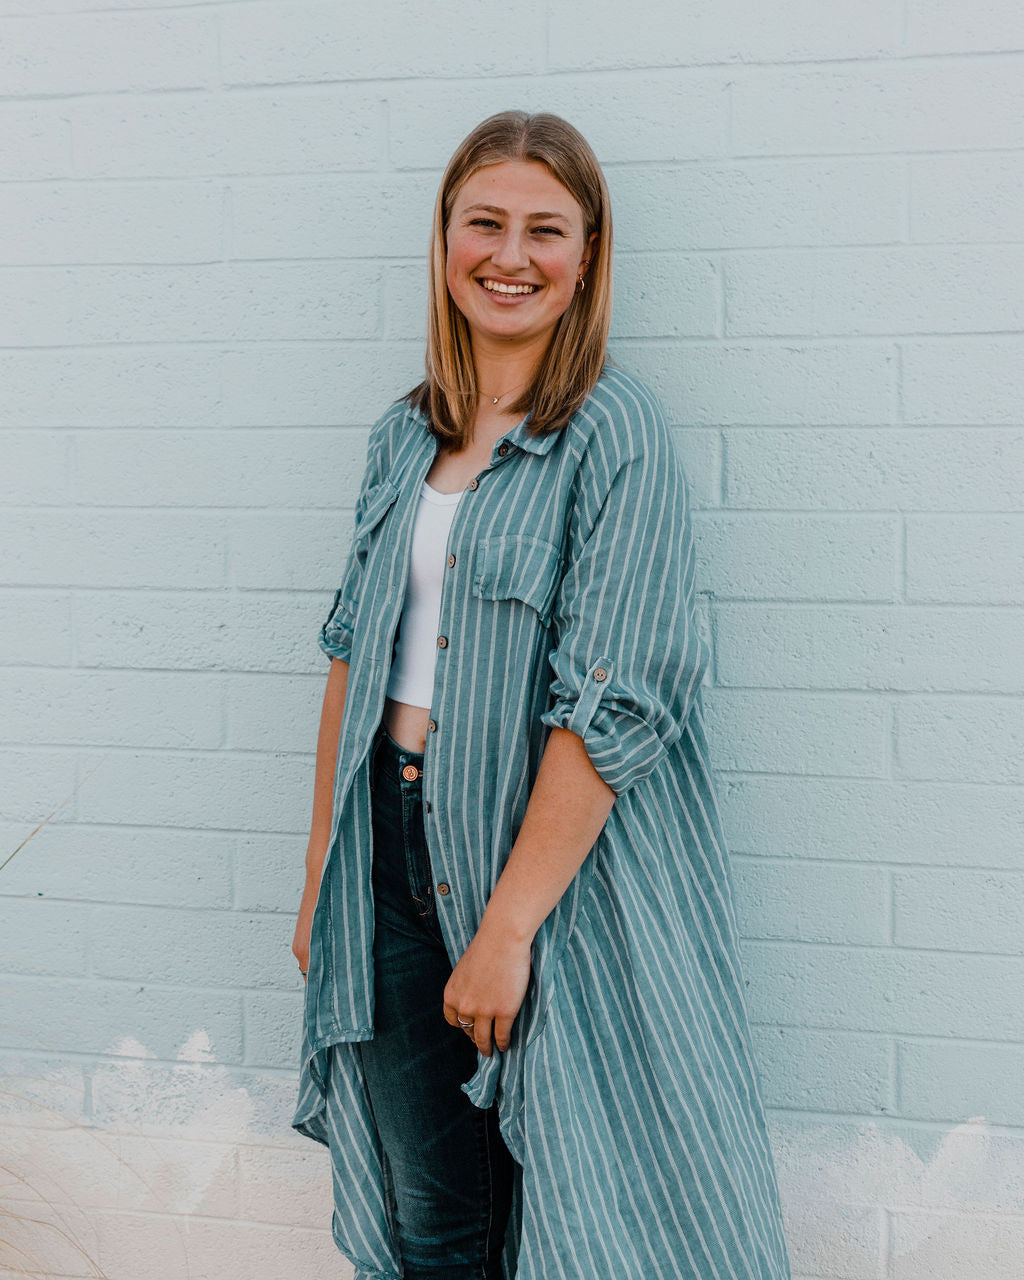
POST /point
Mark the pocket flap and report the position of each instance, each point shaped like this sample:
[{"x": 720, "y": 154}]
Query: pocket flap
[
  {"x": 517, "y": 566},
  {"x": 375, "y": 504}
]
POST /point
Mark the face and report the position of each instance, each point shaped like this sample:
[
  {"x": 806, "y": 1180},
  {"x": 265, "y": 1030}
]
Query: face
[{"x": 514, "y": 225}]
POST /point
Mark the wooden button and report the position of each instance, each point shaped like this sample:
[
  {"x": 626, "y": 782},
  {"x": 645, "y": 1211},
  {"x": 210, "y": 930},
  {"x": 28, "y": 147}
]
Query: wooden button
[
  {"x": 442, "y": 642},
  {"x": 432, "y": 725},
  {"x": 442, "y": 888},
  {"x": 600, "y": 674},
  {"x": 503, "y": 449},
  {"x": 473, "y": 484},
  {"x": 410, "y": 773},
  {"x": 451, "y": 561}
]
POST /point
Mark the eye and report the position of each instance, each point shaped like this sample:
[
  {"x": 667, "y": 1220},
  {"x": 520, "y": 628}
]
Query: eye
[
  {"x": 554, "y": 230},
  {"x": 480, "y": 222}
]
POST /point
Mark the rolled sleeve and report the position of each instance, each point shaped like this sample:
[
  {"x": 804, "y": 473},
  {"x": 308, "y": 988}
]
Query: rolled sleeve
[
  {"x": 335, "y": 638},
  {"x": 337, "y": 632},
  {"x": 629, "y": 659}
]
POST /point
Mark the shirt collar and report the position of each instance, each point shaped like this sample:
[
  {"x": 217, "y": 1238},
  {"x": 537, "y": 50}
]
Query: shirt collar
[
  {"x": 523, "y": 439},
  {"x": 518, "y": 435}
]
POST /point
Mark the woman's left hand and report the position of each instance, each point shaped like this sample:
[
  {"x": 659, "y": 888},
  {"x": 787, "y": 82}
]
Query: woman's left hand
[{"x": 488, "y": 985}]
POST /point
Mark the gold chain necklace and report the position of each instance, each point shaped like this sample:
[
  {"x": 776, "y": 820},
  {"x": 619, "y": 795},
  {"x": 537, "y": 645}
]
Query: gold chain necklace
[{"x": 495, "y": 399}]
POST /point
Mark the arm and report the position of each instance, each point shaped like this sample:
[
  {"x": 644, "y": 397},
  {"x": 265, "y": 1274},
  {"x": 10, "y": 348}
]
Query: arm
[
  {"x": 629, "y": 659},
  {"x": 568, "y": 806},
  {"x": 335, "y": 640},
  {"x": 323, "y": 800}
]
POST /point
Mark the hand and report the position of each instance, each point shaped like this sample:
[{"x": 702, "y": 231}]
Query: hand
[
  {"x": 303, "y": 929},
  {"x": 488, "y": 985}
]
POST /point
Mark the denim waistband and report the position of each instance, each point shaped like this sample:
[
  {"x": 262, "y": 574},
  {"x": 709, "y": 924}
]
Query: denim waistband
[{"x": 393, "y": 756}]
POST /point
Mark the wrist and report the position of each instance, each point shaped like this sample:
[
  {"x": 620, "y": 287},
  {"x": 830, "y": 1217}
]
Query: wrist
[{"x": 507, "y": 927}]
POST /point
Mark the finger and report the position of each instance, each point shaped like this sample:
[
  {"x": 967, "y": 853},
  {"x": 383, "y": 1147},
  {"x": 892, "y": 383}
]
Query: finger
[
  {"x": 452, "y": 1016},
  {"x": 482, "y": 1029},
  {"x": 503, "y": 1033}
]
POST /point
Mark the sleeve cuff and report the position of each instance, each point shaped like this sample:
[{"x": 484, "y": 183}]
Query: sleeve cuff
[
  {"x": 335, "y": 638},
  {"x": 624, "y": 746}
]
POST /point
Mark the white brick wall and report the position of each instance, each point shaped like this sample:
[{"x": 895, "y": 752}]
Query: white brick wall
[{"x": 213, "y": 221}]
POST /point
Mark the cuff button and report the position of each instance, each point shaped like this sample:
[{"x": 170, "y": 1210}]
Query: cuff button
[{"x": 600, "y": 674}]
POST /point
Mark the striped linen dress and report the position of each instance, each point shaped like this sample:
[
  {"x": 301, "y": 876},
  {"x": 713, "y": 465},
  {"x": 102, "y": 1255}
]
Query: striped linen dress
[{"x": 628, "y": 1095}]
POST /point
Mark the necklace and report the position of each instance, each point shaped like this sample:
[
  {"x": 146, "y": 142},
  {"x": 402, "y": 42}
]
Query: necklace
[{"x": 495, "y": 399}]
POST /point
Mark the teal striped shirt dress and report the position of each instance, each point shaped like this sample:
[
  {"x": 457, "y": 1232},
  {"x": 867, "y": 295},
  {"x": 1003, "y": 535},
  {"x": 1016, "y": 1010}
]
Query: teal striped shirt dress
[{"x": 628, "y": 1095}]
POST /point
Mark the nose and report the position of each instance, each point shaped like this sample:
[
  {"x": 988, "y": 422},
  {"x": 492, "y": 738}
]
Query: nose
[{"x": 510, "y": 254}]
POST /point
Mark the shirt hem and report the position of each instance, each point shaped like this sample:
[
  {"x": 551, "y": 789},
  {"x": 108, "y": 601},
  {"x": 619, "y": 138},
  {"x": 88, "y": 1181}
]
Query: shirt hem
[
  {"x": 363, "y": 1270},
  {"x": 307, "y": 1121}
]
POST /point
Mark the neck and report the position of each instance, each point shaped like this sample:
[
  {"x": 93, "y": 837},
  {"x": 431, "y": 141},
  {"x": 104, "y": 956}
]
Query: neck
[{"x": 505, "y": 369}]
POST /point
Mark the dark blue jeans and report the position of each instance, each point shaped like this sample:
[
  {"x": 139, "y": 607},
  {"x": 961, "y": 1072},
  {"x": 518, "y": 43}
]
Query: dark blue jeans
[{"x": 453, "y": 1172}]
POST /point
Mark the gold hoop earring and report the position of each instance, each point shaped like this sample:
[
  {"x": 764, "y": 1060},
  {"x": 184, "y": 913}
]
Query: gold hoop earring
[{"x": 580, "y": 283}]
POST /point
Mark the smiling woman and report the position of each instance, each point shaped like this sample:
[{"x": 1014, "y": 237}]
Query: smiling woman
[
  {"x": 513, "y": 273},
  {"x": 525, "y": 1038},
  {"x": 530, "y": 211}
]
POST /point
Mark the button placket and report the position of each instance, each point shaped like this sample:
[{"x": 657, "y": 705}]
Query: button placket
[{"x": 443, "y": 887}]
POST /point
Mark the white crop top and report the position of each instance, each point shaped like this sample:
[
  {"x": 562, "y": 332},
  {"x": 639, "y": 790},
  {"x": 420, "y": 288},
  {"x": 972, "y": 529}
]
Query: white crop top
[{"x": 412, "y": 672}]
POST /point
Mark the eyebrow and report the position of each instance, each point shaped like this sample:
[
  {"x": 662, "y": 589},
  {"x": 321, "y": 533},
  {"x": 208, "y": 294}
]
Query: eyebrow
[{"x": 493, "y": 208}]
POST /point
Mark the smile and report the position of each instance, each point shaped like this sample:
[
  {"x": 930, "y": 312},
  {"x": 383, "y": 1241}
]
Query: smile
[{"x": 493, "y": 286}]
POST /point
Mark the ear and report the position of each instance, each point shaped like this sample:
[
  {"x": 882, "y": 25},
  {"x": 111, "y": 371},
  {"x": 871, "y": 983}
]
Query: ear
[{"x": 591, "y": 249}]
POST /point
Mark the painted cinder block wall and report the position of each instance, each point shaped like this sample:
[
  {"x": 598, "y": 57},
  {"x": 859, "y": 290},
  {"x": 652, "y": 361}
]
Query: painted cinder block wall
[{"x": 213, "y": 221}]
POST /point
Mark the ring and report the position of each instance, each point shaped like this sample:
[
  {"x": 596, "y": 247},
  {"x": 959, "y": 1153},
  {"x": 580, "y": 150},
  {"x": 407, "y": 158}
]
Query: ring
[{"x": 464, "y": 1024}]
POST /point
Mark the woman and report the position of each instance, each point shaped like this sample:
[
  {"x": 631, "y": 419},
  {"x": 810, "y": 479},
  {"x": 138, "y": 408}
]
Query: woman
[{"x": 525, "y": 1038}]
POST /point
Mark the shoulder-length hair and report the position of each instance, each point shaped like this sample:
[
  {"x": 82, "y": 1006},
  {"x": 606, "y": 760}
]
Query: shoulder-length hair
[{"x": 572, "y": 364}]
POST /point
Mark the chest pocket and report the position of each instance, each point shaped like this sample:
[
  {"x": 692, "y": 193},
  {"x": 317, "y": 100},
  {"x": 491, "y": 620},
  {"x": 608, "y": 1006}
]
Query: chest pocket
[
  {"x": 376, "y": 504},
  {"x": 517, "y": 566}
]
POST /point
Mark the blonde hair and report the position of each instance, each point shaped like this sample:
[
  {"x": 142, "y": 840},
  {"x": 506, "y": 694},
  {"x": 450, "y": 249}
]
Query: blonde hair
[{"x": 575, "y": 356}]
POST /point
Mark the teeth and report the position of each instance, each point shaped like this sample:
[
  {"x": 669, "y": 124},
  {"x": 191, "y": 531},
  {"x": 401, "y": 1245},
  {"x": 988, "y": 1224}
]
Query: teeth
[{"x": 495, "y": 287}]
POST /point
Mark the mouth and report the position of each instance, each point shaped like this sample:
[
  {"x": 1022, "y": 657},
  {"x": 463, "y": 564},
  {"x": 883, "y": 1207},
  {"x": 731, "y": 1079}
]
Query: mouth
[{"x": 506, "y": 293}]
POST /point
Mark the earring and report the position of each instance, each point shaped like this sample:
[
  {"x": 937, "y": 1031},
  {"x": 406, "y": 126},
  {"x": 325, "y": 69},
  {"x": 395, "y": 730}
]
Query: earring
[{"x": 580, "y": 284}]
